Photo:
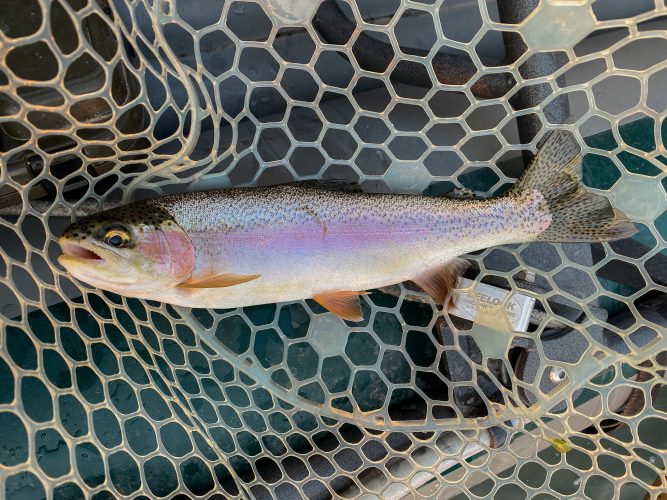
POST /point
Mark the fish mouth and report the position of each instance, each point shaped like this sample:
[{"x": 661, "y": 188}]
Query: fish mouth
[
  {"x": 75, "y": 251},
  {"x": 85, "y": 263}
]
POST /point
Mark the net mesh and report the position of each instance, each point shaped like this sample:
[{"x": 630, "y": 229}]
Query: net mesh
[{"x": 105, "y": 396}]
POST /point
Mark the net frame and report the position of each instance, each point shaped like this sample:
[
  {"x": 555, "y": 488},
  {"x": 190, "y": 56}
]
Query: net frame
[{"x": 199, "y": 405}]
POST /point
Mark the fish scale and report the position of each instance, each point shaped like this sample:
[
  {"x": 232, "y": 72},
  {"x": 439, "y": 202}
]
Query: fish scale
[{"x": 359, "y": 242}]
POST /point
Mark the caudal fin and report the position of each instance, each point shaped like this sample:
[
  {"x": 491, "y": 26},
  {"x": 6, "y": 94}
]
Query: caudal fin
[{"x": 577, "y": 215}]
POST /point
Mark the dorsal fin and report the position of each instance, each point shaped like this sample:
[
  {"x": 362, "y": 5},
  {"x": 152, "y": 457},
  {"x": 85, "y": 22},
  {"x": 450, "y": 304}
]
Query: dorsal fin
[
  {"x": 339, "y": 185},
  {"x": 461, "y": 194}
]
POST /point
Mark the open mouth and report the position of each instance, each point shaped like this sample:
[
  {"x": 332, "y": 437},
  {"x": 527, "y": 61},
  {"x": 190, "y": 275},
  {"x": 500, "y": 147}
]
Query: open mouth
[{"x": 74, "y": 250}]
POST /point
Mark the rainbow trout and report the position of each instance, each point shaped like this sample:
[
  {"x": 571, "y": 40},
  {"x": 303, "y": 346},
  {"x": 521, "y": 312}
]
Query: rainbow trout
[{"x": 242, "y": 247}]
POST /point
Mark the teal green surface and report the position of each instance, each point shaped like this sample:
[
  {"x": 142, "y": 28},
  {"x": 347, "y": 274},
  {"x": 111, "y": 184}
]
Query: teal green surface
[{"x": 600, "y": 172}]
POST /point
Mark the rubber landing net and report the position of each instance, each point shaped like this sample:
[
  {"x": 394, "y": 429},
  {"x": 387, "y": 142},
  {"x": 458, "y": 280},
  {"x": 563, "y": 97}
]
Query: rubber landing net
[{"x": 546, "y": 381}]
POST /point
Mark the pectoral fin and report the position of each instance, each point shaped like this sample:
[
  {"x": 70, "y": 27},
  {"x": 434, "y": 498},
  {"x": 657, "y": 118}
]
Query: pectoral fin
[
  {"x": 439, "y": 282},
  {"x": 219, "y": 281},
  {"x": 343, "y": 304}
]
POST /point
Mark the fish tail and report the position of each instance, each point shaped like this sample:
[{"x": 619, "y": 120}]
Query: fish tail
[{"x": 577, "y": 215}]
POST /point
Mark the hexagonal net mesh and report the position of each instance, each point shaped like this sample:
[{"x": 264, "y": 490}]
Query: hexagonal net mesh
[{"x": 547, "y": 379}]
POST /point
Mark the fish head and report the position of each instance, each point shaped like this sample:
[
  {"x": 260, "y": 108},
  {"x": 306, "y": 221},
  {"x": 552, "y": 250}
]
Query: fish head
[{"x": 131, "y": 250}]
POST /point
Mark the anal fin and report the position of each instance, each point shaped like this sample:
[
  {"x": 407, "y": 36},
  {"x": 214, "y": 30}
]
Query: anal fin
[
  {"x": 344, "y": 304},
  {"x": 219, "y": 280},
  {"x": 440, "y": 281}
]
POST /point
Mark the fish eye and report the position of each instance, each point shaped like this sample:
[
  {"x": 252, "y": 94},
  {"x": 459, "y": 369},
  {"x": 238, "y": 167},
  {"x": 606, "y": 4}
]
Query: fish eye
[{"x": 117, "y": 237}]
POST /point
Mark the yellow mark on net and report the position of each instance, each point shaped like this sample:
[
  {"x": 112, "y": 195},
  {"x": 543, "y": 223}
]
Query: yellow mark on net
[
  {"x": 560, "y": 445},
  {"x": 312, "y": 213}
]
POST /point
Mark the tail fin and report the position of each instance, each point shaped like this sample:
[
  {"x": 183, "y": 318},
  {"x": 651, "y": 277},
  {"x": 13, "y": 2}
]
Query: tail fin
[{"x": 577, "y": 215}]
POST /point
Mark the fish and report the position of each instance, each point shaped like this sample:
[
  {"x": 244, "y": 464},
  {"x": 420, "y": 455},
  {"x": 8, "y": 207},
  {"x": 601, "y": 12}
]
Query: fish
[{"x": 249, "y": 246}]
